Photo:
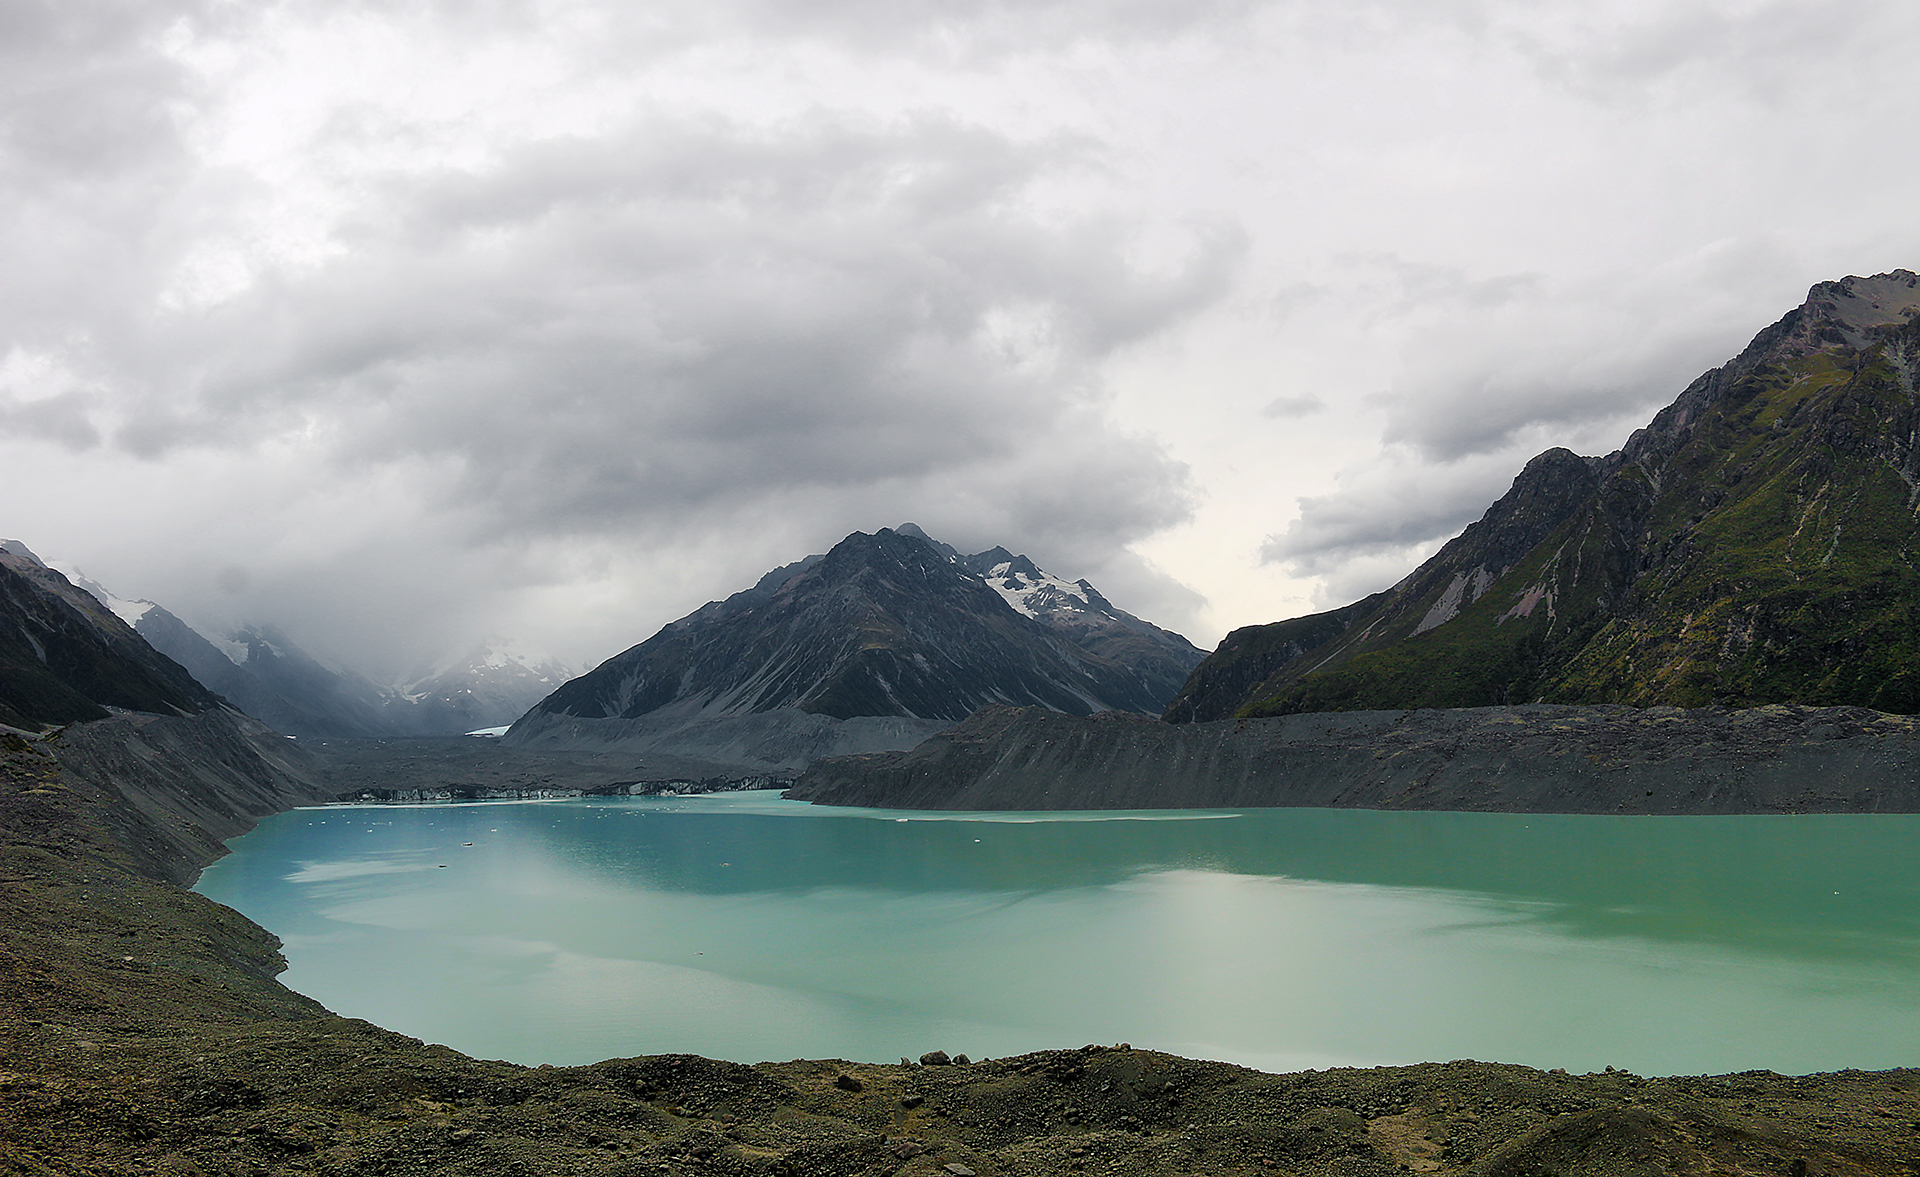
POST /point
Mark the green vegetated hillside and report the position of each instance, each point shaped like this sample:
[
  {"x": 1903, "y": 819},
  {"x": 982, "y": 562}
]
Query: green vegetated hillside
[{"x": 1758, "y": 542}]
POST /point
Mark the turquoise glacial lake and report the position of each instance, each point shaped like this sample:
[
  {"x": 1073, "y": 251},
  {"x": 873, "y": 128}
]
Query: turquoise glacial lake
[{"x": 744, "y": 927}]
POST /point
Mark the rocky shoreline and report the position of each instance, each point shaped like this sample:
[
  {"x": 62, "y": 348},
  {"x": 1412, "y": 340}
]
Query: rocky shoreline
[
  {"x": 142, "y": 1031},
  {"x": 1532, "y": 759}
]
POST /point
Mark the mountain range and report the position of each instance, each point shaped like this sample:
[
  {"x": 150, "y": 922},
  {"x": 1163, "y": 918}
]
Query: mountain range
[
  {"x": 875, "y": 643},
  {"x": 1723, "y": 616},
  {"x": 895, "y": 627},
  {"x": 1756, "y": 543}
]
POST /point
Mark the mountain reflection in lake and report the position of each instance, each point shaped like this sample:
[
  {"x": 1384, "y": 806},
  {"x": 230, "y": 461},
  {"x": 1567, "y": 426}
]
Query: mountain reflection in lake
[{"x": 745, "y": 927}]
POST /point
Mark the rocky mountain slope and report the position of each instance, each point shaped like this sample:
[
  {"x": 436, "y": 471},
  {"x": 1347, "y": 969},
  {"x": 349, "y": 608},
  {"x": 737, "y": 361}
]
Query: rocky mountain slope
[
  {"x": 1756, "y": 543},
  {"x": 65, "y": 657},
  {"x": 882, "y": 640}
]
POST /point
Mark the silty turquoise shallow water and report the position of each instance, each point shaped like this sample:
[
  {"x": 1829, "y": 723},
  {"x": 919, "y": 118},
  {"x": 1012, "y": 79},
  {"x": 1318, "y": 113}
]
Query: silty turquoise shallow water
[{"x": 745, "y": 927}]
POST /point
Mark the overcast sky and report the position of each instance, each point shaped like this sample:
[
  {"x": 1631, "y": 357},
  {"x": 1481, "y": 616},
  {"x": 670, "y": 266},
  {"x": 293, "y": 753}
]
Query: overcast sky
[{"x": 403, "y": 324}]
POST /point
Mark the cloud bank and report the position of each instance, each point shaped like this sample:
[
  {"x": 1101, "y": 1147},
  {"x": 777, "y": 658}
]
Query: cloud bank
[{"x": 400, "y": 323}]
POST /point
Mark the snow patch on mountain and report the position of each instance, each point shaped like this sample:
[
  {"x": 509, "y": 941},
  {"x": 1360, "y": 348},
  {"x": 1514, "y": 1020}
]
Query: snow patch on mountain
[{"x": 1034, "y": 592}]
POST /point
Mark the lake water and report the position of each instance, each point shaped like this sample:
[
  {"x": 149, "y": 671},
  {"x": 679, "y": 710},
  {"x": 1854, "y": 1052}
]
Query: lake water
[{"x": 745, "y": 927}]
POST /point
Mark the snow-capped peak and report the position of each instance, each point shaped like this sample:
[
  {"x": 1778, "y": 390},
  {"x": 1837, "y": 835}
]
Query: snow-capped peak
[
  {"x": 497, "y": 658},
  {"x": 1032, "y": 591}
]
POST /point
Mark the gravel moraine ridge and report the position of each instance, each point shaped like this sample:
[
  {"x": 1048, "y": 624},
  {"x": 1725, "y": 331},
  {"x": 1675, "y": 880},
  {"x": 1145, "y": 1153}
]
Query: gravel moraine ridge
[{"x": 1536, "y": 758}]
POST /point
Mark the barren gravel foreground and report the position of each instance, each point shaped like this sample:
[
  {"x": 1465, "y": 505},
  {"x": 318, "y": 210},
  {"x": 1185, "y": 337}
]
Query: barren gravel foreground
[{"x": 141, "y": 1031}]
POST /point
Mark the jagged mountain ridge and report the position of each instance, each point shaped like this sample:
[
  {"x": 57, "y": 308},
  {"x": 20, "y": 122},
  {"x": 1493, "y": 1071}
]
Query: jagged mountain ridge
[
  {"x": 1755, "y": 543},
  {"x": 65, "y": 657},
  {"x": 889, "y": 624}
]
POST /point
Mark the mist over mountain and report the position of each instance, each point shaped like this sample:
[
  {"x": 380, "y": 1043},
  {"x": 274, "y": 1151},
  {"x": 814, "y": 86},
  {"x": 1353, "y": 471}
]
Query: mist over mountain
[
  {"x": 1755, "y": 543},
  {"x": 263, "y": 672},
  {"x": 490, "y": 685}
]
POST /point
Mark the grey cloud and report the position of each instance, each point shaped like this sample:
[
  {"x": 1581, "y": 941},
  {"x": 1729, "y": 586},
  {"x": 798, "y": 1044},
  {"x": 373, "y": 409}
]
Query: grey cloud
[
  {"x": 1332, "y": 530},
  {"x": 1420, "y": 285},
  {"x": 963, "y": 32},
  {"x": 1295, "y": 297},
  {"x": 90, "y": 160},
  {"x": 1491, "y": 363},
  {"x": 65, "y": 420},
  {"x": 1767, "y": 50},
  {"x": 985, "y": 28},
  {"x": 1489, "y": 411},
  {"x": 1385, "y": 519},
  {"x": 82, "y": 94},
  {"x": 1283, "y": 408},
  {"x": 601, "y": 336},
  {"x": 1497, "y": 370}
]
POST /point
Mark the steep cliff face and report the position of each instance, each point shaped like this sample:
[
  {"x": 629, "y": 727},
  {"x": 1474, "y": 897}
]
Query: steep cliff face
[
  {"x": 65, "y": 657},
  {"x": 884, "y": 625},
  {"x": 1755, "y": 543}
]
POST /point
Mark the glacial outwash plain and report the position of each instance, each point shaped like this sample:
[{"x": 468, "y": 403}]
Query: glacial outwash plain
[{"x": 1721, "y": 618}]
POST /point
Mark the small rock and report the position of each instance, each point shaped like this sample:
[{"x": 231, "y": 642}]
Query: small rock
[
  {"x": 957, "y": 1169},
  {"x": 935, "y": 1058},
  {"x": 961, "y": 1060},
  {"x": 908, "y": 1148},
  {"x": 912, "y": 1101},
  {"x": 847, "y": 1083}
]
